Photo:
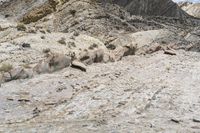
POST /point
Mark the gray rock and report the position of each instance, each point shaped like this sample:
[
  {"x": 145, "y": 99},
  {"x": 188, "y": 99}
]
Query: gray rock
[
  {"x": 175, "y": 120},
  {"x": 169, "y": 52},
  {"x": 46, "y": 50},
  {"x": 79, "y": 65},
  {"x": 153, "y": 8},
  {"x": 196, "y": 119},
  {"x": 26, "y": 45}
]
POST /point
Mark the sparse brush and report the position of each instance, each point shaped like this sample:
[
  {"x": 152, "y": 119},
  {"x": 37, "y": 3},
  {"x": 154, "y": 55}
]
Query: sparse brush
[
  {"x": 93, "y": 46},
  {"x": 62, "y": 41},
  {"x": 27, "y": 66},
  {"x": 6, "y": 67},
  {"x": 46, "y": 50},
  {"x": 168, "y": 68},
  {"x": 72, "y": 12},
  {"x": 21, "y": 27}
]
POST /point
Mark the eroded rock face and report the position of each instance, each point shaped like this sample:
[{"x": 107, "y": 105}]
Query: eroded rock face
[
  {"x": 194, "y": 36},
  {"x": 192, "y": 9},
  {"x": 78, "y": 65},
  {"x": 39, "y": 12},
  {"x": 17, "y": 8},
  {"x": 151, "y": 7}
]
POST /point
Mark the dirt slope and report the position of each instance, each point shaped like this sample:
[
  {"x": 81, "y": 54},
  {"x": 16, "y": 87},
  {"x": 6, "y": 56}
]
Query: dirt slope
[
  {"x": 153, "y": 93},
  {"x": 98, "y": 66}
]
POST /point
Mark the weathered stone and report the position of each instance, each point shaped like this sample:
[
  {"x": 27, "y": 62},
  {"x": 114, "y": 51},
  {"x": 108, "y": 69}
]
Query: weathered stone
[
  {"x": 175, "y": 120},
  {"x": 169, "y": 52},
  {"x": 196, "y": 119},
  {"x": 39, "y": 12},
  {"x": 79, "y": 65},
  {"x": 26, "y": 45},
  {"x": 154, "y": 7},
  {"x": 47, "y": 50},
  {"x": 191, "y": 8}
]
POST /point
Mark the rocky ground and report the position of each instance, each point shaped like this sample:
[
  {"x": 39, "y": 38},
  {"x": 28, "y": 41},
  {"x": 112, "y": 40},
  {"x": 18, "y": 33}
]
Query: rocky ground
[
  {"x": 152, "y": 93},
  {"x": 93, "y": 66}
]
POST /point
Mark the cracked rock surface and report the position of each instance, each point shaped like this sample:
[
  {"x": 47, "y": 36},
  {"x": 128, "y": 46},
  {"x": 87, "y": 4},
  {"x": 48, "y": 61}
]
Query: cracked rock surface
[{"x": 152, "y": 93}]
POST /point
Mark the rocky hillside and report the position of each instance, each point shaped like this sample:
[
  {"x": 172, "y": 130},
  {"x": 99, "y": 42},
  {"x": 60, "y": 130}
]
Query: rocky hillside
[
  {"x": 152, "y": 7},
  {"x": 98, "y": 66},
  {"x": 192, "y": 9}
]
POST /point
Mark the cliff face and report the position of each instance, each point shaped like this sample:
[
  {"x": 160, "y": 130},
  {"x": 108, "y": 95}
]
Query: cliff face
[
  {"x": 97, "y": 17},
  {"x": 152, "y": 7},
  {"x": 18, "y": 8},
  {"x": 192, "y": 9}
]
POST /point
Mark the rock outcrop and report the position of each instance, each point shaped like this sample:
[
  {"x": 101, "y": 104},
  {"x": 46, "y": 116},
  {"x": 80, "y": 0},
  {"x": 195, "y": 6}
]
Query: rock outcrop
[
  {"x": 191, "y": 8},
  {"x": 152, "y": 7}
]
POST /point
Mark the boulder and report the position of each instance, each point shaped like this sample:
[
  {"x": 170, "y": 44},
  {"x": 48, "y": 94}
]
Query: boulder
[{"x": 79, "y": 65}]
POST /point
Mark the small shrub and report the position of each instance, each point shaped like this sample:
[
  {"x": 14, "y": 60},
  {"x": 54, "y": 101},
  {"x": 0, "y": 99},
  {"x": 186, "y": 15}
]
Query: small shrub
[
  {"x": 62, "y": 41},
  {"x": 5, "y": 67},
  {"x": 27, "y": 66},
  {"x": 93, "y": 46},
  {"x": 42, "y": 37},
  {"x": 163, "y": 42},
  {"x": 168, "y": 68},
  {"x": 46, "y": 50},
  {"x": 72, "y": 12},
  {"x": 76, "y": 33},
  {"x": 21, "y": 27}
]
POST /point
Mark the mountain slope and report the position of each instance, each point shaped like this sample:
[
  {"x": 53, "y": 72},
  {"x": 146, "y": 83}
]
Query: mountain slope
[
  {"x": 192, "y": 9},
  {"x": 152, "y": 7}
]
